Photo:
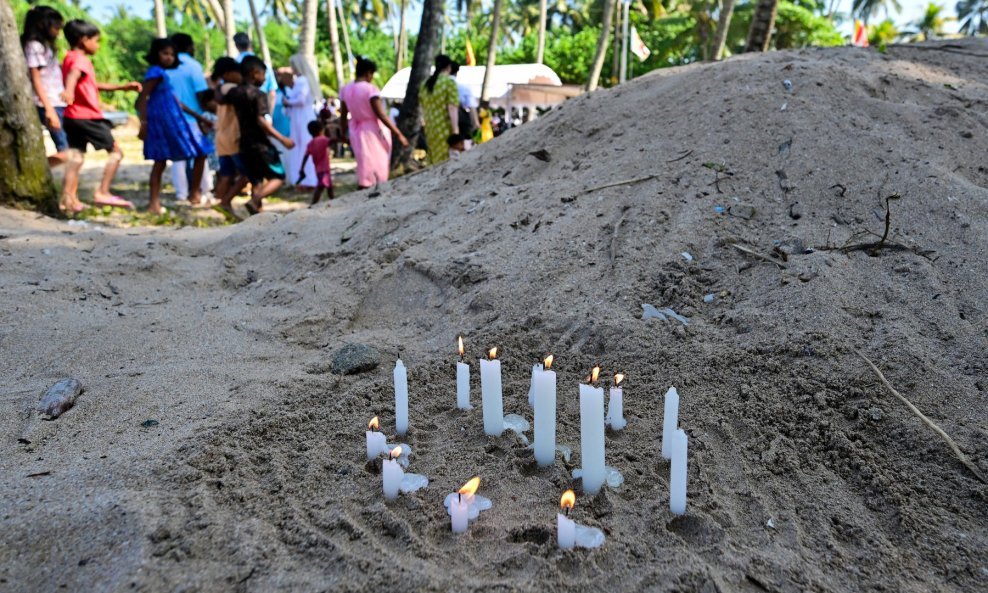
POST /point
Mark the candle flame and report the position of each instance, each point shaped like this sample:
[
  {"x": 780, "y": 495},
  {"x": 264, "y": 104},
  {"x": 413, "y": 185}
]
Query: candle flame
[
  {"x": 593, "y": 376},
  {"x": 618, "y": 378},
  {"x": 460, "y": 344},
  {"x": 547, "y": 362},
  {"x": 568, "y": 500},
  {"x": 492, "y": 354},
  {"x": 395, "y": 453},
  {"x": 471, "y": 486},
  {"x": 373, "y": 424}
]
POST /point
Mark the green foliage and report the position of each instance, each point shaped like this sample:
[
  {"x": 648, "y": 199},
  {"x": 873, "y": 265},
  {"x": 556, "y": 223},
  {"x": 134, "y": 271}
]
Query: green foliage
[
  {"x": 796, "y": 26},
  {"x": 882, "y": 34}
]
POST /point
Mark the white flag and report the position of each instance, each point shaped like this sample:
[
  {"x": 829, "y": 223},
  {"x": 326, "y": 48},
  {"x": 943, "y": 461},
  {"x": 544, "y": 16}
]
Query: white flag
[{"x": 638, "y": 46}]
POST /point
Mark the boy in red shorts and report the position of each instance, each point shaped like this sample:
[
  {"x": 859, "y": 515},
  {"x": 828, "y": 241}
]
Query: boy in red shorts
[{"x": 84, "y": 123}]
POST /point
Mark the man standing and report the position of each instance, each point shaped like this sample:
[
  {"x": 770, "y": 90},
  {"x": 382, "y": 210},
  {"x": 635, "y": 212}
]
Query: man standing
[
  {"x": 187, "y": 80},
  {"x": 469, "y": 122},
  {"x": 246, "y": 48}
]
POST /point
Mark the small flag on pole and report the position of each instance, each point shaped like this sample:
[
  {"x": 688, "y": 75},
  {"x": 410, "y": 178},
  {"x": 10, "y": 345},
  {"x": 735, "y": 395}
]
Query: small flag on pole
[
  {"x": 860, "y": 38},
  {"x": 638, "y": 46},
  {"x": 471, "y": 58}
]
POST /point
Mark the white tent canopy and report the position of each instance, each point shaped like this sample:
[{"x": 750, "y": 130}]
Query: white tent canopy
[{"x": 502, "y": 84}]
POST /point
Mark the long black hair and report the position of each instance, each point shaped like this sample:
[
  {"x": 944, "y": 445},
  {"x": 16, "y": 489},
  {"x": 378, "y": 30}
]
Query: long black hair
[
  {"x": 157, "y": 45},
  {"x": 38, "y": 24},
  {"x": 442, "y": 62}
]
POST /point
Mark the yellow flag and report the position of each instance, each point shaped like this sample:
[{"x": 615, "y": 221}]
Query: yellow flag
[{"x": 471, "y": 59}]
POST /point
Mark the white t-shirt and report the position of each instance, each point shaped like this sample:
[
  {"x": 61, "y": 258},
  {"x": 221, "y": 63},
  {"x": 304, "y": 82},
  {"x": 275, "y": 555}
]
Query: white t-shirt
[{"x": 467, "y": 99}]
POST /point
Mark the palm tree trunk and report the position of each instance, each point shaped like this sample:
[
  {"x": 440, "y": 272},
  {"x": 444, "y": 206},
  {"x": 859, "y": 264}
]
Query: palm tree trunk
[
  {"x": 159, "y": 18},
  {"x": 307, "y": 44},
  {"x": 426, "y": 45},
  {"x": 723, "y": 23},
  {"x": 231, "y": 27},
  {"x": 543, "y": 13},
  {"x": 345, "y": 28},
  {"x": 216, "y": 13},
  {"x": 400, "y": 46},
  {"x": 262, "y": 39},
  {"x": 485, "y": 89},
  {"x": 762, "y": 22},
  {"x": 334, "y": 42},
  {"x": 25, "y": 179},
  {"x": 616, "y": 45},
  {"x": 598, "y": 60}
]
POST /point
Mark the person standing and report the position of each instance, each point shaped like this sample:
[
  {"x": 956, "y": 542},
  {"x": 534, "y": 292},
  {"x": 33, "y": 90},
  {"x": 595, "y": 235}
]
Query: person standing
[
  {"x": 246, "y": 48},
  {"x": 441, "y": 109},
  {"x": 370, "y": 129},
  {"x": 42, "y": 26},
  {"x": 469, "y": 123},
  {"x": 186, "y": 80},
  {"x": 299, "y": 106}
]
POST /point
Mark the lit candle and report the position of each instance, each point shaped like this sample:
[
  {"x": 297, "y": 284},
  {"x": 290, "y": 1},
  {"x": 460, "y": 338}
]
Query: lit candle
[
  {"x": 531, "y": 386},
  {"x": 677, "y": 473},
  {"x": 566, "y": 527},
  {"x": 490, "y": 393},
  {"x": 401, "y": 398},
  {"x": 615, "y": 405},
  {"x": 376, "y": 442},
  {"x": 592, "y": 434},
  {"x": 544, "y": 389},
  {"x": 392, "y": 474},
  {"x": 462, "y": 380},
  {"x": 465, "y": 505},
  {"x": 670, "y": 421}
]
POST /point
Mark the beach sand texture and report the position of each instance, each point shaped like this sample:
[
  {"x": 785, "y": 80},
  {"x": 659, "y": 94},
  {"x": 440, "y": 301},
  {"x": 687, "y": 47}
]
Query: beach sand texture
[{"x": 213, "y": 450}]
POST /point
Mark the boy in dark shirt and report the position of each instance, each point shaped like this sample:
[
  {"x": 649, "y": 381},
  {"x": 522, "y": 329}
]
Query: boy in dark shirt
[{"x": 258, "y": 158}]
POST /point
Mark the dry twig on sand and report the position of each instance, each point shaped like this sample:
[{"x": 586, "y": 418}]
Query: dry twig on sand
[
  {"x": 569, "y": 199},
  {"x": 950, "y": 442},
  {"x": 754, "y": 253}
]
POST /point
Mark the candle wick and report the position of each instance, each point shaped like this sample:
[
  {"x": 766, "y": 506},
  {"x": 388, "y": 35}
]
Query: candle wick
[
  {"x": 459, "y": 497},
  {"x": 567, "y": 511}
]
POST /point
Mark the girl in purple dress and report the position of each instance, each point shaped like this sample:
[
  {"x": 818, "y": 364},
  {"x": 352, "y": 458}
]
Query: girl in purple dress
[{"x": 165, "y": 132}]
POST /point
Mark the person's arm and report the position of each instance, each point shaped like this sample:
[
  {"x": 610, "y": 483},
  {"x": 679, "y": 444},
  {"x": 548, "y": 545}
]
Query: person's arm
[
  {"x": 474, "y": 119},
  {"x": 344, "y": 124},
  {"x": 71, "y": 80},
  {"x": 51, "y": 116},
  {"x": 270, "y": 131},
  {"x": 127, "y": 86},
  {"x": 301, "y": 169},
  {"x": 378, "y": 108},
  {"x": 142, "y": 105},
  {"x": 454, "y": 117},
  {"x": 204, "y": 124},
  {"x": 272, "y": 100}
]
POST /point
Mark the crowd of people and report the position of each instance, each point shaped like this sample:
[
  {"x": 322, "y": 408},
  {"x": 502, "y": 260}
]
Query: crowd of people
[{"x": 243, "y": 121}]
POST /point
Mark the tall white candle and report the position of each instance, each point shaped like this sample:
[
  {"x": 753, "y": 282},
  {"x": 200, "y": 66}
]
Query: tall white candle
[
  {"x": 490, "y": 393},
  {"x": 565, "y": 531},
  {"x": 615, "y": 405},
  {"x": 544, "y": 389},
  {"x": 677, "y": 472},
  {"x": 459, "y": 512},
  {"x": 376, "y": 441},
  {"x": 670, "y": 420},
  {"x": 392, "y": 474},
  {"x": 401, "y": 398},
  {"x": 531, "y": 387},
  {"x": 592, "y": 436},
  {"x": 462, "y": 386}
]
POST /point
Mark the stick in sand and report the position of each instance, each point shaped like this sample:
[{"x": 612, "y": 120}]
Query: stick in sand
[{"x": 950, "y": 442}]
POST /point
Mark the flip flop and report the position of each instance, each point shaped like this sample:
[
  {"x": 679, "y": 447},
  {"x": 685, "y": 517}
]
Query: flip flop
[
  {"x": 251, "y": 208},
  {"x": 115, "y": 201}
]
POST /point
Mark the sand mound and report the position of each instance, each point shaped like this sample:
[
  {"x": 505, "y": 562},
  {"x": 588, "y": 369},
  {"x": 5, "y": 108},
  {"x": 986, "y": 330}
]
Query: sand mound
[{"x": 214, "y": 451}]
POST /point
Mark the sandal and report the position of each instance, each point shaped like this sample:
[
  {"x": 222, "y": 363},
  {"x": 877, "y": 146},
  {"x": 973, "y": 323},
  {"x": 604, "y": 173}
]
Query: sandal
[{"x": 252, "y": 209}]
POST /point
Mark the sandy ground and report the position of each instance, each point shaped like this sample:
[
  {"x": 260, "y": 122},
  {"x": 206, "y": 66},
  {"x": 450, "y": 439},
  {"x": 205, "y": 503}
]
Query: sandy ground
[{"x": 214, "y": 451}]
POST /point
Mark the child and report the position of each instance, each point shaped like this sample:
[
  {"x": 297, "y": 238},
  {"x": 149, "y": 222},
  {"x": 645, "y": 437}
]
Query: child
[
  {"x": 207, "y": 107},
  {"x": 258, "y": 157},
  {"x": 42, "y": 26},
  {"x": 318, "y": 149},
  {"x": 83, "y": 121},
  {"x": 165, "y": 131},
  {"x": 226, "y": 74},
  {"x": 457, "y": 144}
]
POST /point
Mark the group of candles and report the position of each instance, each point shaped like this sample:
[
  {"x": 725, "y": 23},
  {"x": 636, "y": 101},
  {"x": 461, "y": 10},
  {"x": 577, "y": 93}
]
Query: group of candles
[{"x": 465, "y": 505}]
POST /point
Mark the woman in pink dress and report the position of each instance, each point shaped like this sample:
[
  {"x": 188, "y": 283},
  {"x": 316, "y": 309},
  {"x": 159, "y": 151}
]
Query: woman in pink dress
[{"x": 370, "y": 129}]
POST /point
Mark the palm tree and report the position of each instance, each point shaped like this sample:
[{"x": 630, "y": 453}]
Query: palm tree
[
  {"x": 973, "y": 15},
  {"x": 334, "y": 43},
  {"x": 307, "y": 43},
  {"x": 865, "y": 9},
  {"x": 723, "y": 24},
  {"x": 485, "y": 90},
  {"x": 930, "y": 25},
  {"x": 762, "y": 23},
  {"x": 231, "y": 27},
  {"x": 601, "y": 53},
  {"x": 159, "y": 18},
  {"x": 543, "y": 13},
  {"x": 401, "y": 40},
  {"x": 433, "y": 12},
  {"x": 262, "y": 39}
]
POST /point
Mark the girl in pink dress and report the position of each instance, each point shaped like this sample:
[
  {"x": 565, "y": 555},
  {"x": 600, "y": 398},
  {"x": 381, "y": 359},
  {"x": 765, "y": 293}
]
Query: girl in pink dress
[{"x": 370, "y": 128}]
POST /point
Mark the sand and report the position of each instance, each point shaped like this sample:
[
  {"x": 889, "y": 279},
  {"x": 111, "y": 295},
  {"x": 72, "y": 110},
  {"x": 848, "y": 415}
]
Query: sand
[{"x": 214, "y": 451}]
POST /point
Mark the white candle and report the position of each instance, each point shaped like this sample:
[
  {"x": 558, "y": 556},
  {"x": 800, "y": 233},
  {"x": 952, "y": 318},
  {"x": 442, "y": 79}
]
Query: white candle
[
  {"x": 670, "y": 421},
  {"x": 459, "y": 512},
  {"x": 462, "y": 504},
  {"x": 531, "y": 387},
  {"x": 376, "y": 442},
  {"x": 490, "y": 393},
  {"x": 392, "y": 474},
  {"x": 544, "y": 390},
  {"x": 615, "y": 405},
  {"x": 565, "y": 531},
  {"x": 462, "y": 386},
  {"x": 592, "y": 436},
  {"x": 401, "y": 398},
  {"x": 677, "y": 473}
]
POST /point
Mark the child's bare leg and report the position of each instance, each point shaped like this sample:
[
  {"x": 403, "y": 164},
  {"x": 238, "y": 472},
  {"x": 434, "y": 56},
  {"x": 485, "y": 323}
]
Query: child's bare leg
[
  {"x": 330, "y": 194},
  {"x": 70, "y": 185},
  {"x": 263, "y": 190},
  {"x": 236, "y": 187},
  {"x": 57, "y": 159},
  {"x": 316, "y": 194},
  {"x": 109, "y": 172},
  {"x": 154, "y": 199},
  {"x": 195, "y": 184},
  {"x": 223, "y": 184}
]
